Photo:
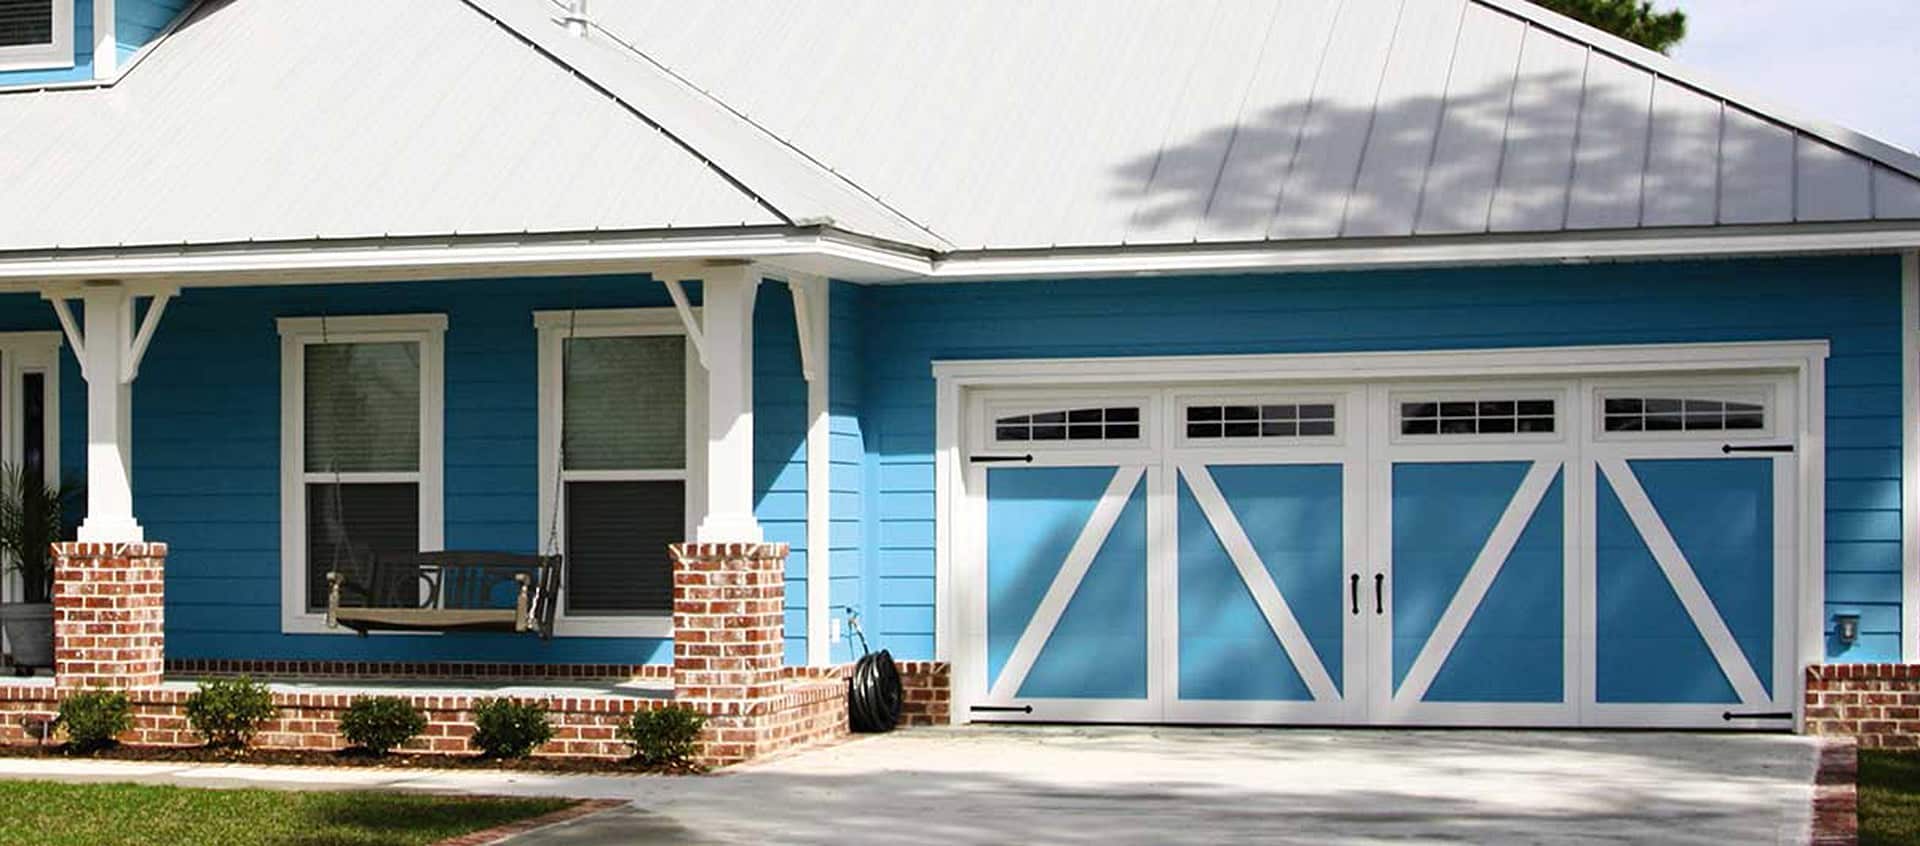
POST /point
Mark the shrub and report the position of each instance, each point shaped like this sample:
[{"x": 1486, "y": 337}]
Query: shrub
[
  {"x": 95, "y": 719},
  {"x": 381, "y": 723},
  {"x": 664, "y": 735},
  {"x": 503, "y": 728},
  {"x": 227, "y": 712}
]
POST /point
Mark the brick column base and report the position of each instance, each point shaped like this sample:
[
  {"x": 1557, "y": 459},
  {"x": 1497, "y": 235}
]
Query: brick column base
[
  {"x": 728, "y": 653},
  {"x": 108, "y": 614}
]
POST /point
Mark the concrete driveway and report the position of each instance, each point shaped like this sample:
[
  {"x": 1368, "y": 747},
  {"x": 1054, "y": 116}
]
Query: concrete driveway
[{"x": 1110, "y": 786}]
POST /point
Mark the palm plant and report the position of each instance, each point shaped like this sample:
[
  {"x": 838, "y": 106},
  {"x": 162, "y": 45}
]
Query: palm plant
[{"x": 32, "y": 518}]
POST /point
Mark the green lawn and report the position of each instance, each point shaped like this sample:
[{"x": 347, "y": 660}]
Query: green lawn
[
  {"x": 106, "y": 814},
  {"x": 1889, "y": 797}
]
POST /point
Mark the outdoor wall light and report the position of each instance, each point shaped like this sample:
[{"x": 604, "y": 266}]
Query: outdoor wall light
[{"x": 1846, "y": 627}]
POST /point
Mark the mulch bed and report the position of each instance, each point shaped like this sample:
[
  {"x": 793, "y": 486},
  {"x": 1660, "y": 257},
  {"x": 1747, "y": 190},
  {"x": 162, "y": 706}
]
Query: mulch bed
[{"x": 351, "y": 758}]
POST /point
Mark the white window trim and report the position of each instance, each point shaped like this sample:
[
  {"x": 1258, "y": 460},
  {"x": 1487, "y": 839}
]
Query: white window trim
[
  {"x": 22, "y": 353},
  {"x": 1262, "y": 397},
  {"x": 553, "y": 328},
  {"x": 55, "y": 54},
  {"x": 296, "y": 334}
]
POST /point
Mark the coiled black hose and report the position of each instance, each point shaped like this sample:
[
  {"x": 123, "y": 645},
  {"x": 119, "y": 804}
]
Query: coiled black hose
[{"x": 874, "y": 693}]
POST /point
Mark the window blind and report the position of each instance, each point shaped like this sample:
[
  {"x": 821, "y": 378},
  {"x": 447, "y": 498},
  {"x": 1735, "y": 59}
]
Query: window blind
[
  {"x": 617, "y": 537},
  {"x": 625, "y": 403},
  {"x": 383, "y": 519},
  {"x": 363, "y": 408}
]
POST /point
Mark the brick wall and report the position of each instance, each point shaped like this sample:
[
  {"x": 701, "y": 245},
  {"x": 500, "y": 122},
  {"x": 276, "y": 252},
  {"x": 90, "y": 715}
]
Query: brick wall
[
  {"x": 728, "y": 650},
  {"x": 1877, "y": 704},
  {"x": 108, "y": 614},
  {"x": 929, "y": 693},
  {"x": 728, "y": 656}
]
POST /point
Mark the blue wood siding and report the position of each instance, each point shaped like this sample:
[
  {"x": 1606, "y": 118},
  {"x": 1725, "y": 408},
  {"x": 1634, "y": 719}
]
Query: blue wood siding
[
  {"x": 849, "y": 569},
  {"x": 1852, "y": 302},
  {"x": 780, "y": 449},
  {"x": 137, "y": 22}
]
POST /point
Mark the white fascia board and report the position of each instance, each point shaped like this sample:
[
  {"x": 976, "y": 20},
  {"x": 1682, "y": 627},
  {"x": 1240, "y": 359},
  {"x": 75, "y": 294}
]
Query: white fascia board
[
  {"x": 854, "y": 258},
  {"x": 1349, "y": 366},
  {"x": 1452, "y": 251}
]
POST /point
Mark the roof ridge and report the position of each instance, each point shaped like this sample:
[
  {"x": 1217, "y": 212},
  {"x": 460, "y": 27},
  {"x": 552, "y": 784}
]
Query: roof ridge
[
  {"x": 1882, "y": 153},
  {"x": 715, "y": 99},
  {"x": 723, "y": 139}
]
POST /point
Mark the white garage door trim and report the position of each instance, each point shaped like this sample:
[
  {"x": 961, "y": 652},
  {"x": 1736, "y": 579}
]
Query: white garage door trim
[{"x": 1804, "y": 360}]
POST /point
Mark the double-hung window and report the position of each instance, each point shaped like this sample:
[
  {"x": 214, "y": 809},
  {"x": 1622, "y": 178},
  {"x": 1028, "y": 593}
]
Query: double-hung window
[
  {"x": 360, "y": 425},
  {"x": 616, "y": 429},
  {"x": 36, "y": 34}
]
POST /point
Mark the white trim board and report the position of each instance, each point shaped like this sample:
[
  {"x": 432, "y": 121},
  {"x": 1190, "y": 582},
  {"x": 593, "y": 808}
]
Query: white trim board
[
  {"x": 1909, "y": 455},
  {"x": 1346, "y": 367},
  {"x": 855, "y": 258},
  {"x": 22, "y": 353},
  {"x": 296, "y": 334}
]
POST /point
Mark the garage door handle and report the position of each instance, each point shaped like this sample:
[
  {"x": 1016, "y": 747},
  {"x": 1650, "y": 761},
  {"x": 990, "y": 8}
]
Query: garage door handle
[
  {"x": 1353, "y": 589},
  {"x": 1379, "y": 593}
]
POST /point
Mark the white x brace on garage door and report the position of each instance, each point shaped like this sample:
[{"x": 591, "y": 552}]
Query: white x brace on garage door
[{"x": 1587, "y": 536}]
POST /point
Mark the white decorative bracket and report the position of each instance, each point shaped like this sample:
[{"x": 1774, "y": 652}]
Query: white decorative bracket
[
  {"x": 805, "y": 289},
  {"x": 695, "y": 334},
  {"x": 132, "y": 343}
]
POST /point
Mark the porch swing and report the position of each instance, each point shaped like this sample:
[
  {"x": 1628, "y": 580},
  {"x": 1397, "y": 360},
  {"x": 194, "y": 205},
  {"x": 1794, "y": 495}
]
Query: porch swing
[{"x": 443, "y": 591}]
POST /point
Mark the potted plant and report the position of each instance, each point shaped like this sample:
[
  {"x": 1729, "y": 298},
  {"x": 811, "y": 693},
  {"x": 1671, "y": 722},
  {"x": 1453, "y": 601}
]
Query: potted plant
[{"x": 32, "y": 518}]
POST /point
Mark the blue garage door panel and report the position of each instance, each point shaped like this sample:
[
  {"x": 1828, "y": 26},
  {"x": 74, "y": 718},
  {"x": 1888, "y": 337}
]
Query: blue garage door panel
[
  {"x": 1293, "y": 516},
  {"x": 1513, "y": 648},
  {"x": 1443, "y": 513},
  {"x": 1647, "y": 648},
  {"x": 1033, "y": 517},
  {"x": 1098, "y": 650},
  {"x": 1720, "y": 513}
]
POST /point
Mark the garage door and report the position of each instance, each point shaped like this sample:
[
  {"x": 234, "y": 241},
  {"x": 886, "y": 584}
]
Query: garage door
[{"x": 1574, "y": 552}]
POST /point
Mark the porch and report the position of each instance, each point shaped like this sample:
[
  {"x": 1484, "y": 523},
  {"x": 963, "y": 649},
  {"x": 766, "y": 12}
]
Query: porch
[{"x": 290, "y": 432}]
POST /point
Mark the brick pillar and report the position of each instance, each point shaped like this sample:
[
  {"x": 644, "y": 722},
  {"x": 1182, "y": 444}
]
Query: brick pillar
[
  {"x": 107, "y": 614},
  {"x": 728, "y": 609}
]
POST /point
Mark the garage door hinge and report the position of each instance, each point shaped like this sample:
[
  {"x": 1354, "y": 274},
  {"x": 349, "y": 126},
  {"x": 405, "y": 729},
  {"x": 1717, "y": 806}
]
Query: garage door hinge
[
  {"x": 1002, "y": 709},
  {"x": 1757, "y": 715},
  {"x": 1730, "y": 448},
  {"x": 1002, "y": 459}
]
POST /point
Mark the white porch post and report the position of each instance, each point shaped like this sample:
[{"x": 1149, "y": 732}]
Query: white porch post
[
  {"x": 109, "y": 318},
  {"x": 109, "y": 352},
  {"x": 727, "y": 295}
]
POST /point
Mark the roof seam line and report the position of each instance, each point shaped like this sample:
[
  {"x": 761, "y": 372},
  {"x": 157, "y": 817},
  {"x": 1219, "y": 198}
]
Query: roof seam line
[
  {"x": 742, "y": 116},
  {"x": 629, "y": 108}
]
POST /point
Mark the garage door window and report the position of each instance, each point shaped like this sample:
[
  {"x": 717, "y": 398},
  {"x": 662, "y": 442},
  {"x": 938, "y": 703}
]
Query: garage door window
[
  {"x": 1118, "y": 423},
  {"x": 1260, "y": 421},
  {"x": 1450, "y": 417},
  {"x": 1681, "y": 414}
]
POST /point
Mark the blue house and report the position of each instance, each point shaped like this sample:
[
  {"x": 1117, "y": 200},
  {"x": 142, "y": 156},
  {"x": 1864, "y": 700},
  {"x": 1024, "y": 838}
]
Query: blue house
[{"x": 1332, "y": 361}]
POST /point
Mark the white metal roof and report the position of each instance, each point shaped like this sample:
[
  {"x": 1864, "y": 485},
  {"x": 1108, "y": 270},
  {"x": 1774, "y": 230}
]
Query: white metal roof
[
  {"x": 939, "y": 128},
  {"x": 1014, "y": 124},
  {"x": 304, "y": 119}
]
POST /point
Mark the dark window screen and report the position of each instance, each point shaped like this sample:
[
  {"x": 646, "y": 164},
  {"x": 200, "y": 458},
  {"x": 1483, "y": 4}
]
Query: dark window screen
[
  {"x": 617, "y": 538},
  {"x": 33, "y": 425},
  {"x": 26, "y": 22},
  {"x": 382, "y": 518}
]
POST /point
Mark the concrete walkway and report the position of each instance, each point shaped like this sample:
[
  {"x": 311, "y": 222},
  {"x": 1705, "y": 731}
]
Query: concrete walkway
[{"x": 1109, "y": 786}]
